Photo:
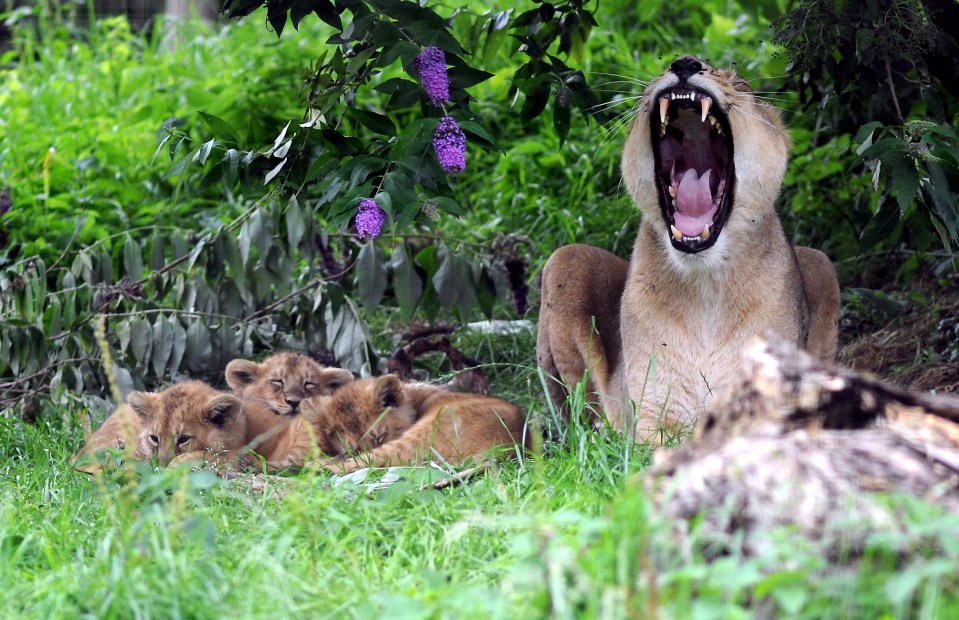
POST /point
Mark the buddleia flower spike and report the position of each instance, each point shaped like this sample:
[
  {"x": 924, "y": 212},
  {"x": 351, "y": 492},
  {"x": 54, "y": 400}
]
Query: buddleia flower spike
[
  {"x": 369, "y": 219},
  {"x": 449, "y": 142},
  {"x": 431, "y": 66}
]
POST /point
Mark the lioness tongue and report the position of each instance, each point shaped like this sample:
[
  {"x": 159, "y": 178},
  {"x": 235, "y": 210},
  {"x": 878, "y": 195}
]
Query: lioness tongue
[{"x": 694, "y": 203}]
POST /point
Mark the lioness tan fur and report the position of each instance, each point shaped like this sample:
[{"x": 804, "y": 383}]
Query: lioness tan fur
[
  {"x": 283, "y": 380},
  {"x": 188, "y": 420},
  {"x": 381, "y": 422},
  {"x": 711, "y": 266}
]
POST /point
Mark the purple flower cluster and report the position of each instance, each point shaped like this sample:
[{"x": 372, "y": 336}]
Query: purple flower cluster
[
  {"x": 369, "y": 219},
  {"x": 449, "y": 142},
  {"x": 431, "y": 66}
]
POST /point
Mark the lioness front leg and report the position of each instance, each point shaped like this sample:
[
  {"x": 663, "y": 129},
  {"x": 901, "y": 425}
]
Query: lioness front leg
[{"x": 578, "y": 331}]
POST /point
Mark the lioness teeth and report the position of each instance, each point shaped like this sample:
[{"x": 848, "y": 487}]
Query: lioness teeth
[
  {"x": 705, "y": 233},
  {"x": 677, "y": 234},
  {"x": 663, "y": 108},
  {"x": 706, "y": 103},
  {"x": 672, "y": 192}
]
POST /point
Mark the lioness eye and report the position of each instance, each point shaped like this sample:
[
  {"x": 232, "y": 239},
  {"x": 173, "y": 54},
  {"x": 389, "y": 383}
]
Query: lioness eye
[
  {"x": 182, "y": 440},
  {"x": 154, "y": 440}
]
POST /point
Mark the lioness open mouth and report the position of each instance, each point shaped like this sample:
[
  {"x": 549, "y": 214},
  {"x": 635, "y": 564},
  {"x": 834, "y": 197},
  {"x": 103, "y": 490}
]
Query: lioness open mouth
[{"x": 693, "y": 148}]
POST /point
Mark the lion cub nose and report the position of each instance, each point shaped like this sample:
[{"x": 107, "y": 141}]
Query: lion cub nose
[
  {"x": 293, "y": 403},
  {"x": 685, "y": 66}
]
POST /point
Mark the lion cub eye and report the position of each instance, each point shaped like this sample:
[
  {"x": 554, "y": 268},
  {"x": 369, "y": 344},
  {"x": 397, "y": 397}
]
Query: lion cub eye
[
  {"x": 183, "y": 440},
  {"x": 309, "y": 385},
  {"x": 276, "y": 382},
  {"x": 154, "y": 440}
]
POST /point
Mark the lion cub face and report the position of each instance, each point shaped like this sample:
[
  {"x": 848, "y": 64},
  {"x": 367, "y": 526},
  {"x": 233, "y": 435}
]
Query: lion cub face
[
  {"x": 363, "y": 415},
  {"x": 704, "y": 158},
  {"x": 282, "y": 381},
  {"x": 187, "y": 417}
]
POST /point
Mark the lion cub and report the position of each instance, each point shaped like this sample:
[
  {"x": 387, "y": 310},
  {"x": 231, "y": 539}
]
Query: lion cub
[
  {"x": 381, "y": 422},
  {"x": 283, "y": 380},
  {"x": 272, "y": 392},
  {"x": 186, "y": 421}
]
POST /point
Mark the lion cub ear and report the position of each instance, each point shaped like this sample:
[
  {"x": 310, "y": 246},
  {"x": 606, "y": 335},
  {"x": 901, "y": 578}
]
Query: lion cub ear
[
  {"x": 335, "y": 378},
  {"x": 141, "y": 403},
  {"x": 388, "y": 391},
  {"x": 222, "y": 409},
  {"x": 241, "y": 373}
]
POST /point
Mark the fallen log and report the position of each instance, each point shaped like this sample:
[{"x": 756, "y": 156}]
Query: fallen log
[{"x": 815, "y": 448}]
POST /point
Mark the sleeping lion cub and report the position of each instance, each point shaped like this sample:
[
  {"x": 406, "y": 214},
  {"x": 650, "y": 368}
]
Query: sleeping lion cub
[
  {"x": 711, "y": 266},
  {"x": 283, "y": 380},
  {"x": 189, "y": 420},
  {"x": 178, "y": 424},
  {"x": 382, "y": 421}
]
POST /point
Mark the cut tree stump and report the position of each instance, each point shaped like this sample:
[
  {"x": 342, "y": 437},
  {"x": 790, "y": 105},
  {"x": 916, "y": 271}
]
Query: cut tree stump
[{"x": 815, "y": 448}]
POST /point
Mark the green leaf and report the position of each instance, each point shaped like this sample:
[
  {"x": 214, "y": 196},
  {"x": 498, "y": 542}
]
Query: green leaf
[
  {"x": 463, "y": 76},
  {"x": 203, "y": 152},
  {"x": 295, "y": 223},
  {"x": 561, "y": 120},
  {"x": 415, "y": 137},
  {"x": 276, "y": 14},
  {"x": 222, "y": 130},
  {"x": 449, "y": 205},
  {"x": 445, "y": 281},
  {"x": 884, "y": 147},
  {"x": 905, "y": 182},
  {"x": 370, "y": 276},
  {"x": 157, "y": 260},
  {"x": 163, "y": 141},
  {"x": 362, "y": 167},
  {"x": 407, "y": 285},
  {"x": 140, "y": 341},
  {"x": 244, "y": 240},
  {"x": 162, "y": 347},
  {"x": 486, "y": 294},
  {"x": 377, "y": 123},
  {"x": 132, "y": 258},
  {"x": 199, "y": 346},
  {"x": 476, "y": 130},
  {"x": 534, "y": 105},
  {"x": 229, "y": 164},
  {"x": 944, "y": 203},
  {"x": 179, "y": 346},
  {"x": 276, "y": 170},
  {"x": 881, "y": 225}
]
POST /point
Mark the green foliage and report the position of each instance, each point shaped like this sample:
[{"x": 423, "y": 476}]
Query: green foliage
[{"x": 866, "y": 68}]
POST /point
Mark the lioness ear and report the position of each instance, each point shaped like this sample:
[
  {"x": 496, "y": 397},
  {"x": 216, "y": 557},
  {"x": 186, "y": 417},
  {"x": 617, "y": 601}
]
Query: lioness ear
[
  {"x": 222, "y": 408},
  {"x": 241, "y": 373},
  {"x": 388, "y": 391},
  {"x": 141, "y": 403},
  {"x": 335, "y": 378}
]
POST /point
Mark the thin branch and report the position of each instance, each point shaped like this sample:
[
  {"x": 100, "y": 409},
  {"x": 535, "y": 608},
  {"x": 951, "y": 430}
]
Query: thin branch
[{"x": 892, "y": 91}]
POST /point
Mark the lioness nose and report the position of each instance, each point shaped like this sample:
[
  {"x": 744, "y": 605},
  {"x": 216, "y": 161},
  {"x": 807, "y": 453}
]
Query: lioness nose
[{"x": 685, "y": 66}]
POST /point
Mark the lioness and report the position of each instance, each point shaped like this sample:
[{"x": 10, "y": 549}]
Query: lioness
[
  {"x": 380, "y": 422},
  {"x": 711, "y": 266},
  {"x": 189, "y": 420}
]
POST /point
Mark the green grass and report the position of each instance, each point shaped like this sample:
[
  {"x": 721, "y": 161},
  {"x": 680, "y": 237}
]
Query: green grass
[
  {"x": 568, "y": 532},
  {"x": 563, "y": 534}
]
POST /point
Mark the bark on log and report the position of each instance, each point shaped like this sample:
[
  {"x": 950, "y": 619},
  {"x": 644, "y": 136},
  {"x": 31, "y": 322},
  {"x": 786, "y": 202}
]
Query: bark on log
[{"x": 800, "y": 444}]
